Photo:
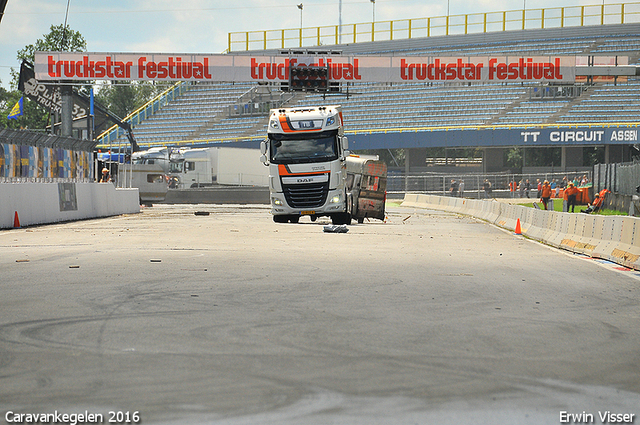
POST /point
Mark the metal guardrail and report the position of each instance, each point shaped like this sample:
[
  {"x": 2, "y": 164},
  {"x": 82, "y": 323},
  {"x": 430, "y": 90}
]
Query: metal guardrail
[{"x": 519, "y": 19}]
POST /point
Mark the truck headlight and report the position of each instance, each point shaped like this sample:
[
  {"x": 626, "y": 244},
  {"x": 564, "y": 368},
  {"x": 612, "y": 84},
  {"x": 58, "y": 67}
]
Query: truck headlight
[
  {"x": 273, "y": 123},
  {"x": 276, "y": 201},
  {"x": 331, "y": 120},
  {"x": 336, "y": 199}
]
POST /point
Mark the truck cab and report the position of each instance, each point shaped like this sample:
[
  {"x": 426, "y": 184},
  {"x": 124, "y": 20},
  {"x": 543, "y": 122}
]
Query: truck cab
[{"x": 305, "y": 151}]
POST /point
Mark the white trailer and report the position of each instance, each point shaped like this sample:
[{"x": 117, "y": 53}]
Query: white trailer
[
  {"x": 201, "y": 167},
  {"x": 240, "y": 166}
]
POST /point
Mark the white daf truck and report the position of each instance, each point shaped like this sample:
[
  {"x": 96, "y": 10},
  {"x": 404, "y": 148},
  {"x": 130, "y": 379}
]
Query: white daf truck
[{"x": 306, "y": 153}]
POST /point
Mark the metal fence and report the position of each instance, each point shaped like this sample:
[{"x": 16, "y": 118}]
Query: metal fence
[
  {"x": 440, "y": 184},
  {"x": 31, "y": 157},
  {"x": 621, "y": 178}
]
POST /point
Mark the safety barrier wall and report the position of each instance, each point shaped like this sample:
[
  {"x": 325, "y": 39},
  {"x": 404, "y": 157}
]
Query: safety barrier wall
[
  {"x": 40, "y": 203},
  {"x": 613, "y": 238}
]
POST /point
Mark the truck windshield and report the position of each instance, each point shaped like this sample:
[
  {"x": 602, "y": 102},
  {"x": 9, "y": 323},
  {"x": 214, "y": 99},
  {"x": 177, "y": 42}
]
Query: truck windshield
[{"x": 298, "y": 148}]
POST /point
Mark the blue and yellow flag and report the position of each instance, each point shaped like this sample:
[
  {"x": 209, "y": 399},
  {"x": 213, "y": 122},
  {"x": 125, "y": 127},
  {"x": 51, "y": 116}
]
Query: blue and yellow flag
[{"x": 17, "y": 110}]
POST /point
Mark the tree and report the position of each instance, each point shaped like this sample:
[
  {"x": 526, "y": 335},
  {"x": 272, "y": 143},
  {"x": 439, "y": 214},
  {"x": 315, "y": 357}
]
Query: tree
[
  {"x": 513, "y": 159},
  {"x": 119, "y": 99},
  {"x": 32, "y": 118},
  {"x": 35, "y": 117},
  {"x": 122, "y": 99},
  {"x": 544, "y": 157},
  {"x": 592, "y": 155},
  {"x": 59, "y": 39}
]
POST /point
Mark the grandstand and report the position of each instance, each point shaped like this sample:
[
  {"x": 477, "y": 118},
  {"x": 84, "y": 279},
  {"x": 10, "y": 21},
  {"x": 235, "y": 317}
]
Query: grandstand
[{"x": 212, "y": 113}]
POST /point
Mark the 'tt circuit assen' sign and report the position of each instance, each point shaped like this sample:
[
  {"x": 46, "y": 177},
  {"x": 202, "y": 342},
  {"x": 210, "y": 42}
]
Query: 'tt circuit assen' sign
[
  {"x": 232, "y": 68},
  {"x": 580, "y": 136},
  {"x": 497, "y": 137}
]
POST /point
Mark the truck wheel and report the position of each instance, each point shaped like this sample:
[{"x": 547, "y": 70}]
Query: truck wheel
[
  {"x": 341, "y": 218},
  {"x": 280, "y": 218}
]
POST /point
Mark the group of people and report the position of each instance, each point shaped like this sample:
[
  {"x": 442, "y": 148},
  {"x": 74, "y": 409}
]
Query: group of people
[
  {"x": 545, "y": 191},
  {"x": 523, "y": 188},
  {"x": 570, "y": 195},
  {"x": 457, "y": 188},
  {"x": 569, "y": 198}
]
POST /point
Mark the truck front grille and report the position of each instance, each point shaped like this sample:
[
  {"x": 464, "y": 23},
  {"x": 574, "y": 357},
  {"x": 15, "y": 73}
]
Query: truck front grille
[{"x": 306, "y": 196}]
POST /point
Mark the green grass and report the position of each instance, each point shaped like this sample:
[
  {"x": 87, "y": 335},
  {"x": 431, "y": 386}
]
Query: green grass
[
  {"x": 557, "y": 206},
  {"x": 611, "y": 212}
]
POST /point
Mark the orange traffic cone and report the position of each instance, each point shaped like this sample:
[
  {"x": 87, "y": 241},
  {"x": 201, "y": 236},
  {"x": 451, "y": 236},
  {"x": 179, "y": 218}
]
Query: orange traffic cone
[
  {"x": 518, "y": 229},
  {"x": 16, "y": 221}
]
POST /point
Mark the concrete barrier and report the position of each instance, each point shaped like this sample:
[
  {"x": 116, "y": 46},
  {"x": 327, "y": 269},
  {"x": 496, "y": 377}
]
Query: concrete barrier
[
  {"x": 627, "y": 251},
  {"x": 40, "y": 203},
  {"x": 410, "y": 200},
  {"x": 535, "y": 228},
  {"x": 614, "y": 238},
  {"x": 243, "y": 195}
]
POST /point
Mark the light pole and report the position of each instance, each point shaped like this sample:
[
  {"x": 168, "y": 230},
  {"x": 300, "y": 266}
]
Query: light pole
[
  {"x": 340, "y": 22},
  {"x": 300, "y": 6},
  {"x": 373, "y": 21},
  {"x": 447, "y": 29}
]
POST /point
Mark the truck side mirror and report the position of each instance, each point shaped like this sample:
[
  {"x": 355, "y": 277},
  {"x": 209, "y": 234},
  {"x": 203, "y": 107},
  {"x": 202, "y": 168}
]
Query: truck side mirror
[
  {"x": 263, "y": 151},
  {"x": 345, "y": 143}
]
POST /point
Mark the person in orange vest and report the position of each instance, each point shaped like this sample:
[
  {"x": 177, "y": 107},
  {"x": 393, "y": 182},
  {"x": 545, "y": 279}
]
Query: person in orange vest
[
  {"x": 570, "y": 194},
  {"x": 597, "y": 202},
  {"x": 545, "y": 193}
]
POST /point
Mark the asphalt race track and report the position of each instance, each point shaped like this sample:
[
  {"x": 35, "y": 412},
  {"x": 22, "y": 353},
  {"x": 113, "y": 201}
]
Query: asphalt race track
[{"x": 168, "y": 317}]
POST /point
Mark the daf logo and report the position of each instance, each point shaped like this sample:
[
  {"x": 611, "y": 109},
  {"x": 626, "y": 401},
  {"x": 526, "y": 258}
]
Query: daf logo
[
  {"x": 317, "y": 168},
  {"x": 303, "y": 180}
]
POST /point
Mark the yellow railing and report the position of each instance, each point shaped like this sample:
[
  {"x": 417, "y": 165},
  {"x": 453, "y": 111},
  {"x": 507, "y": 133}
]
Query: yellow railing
[{"x": 554, "y": 17}]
